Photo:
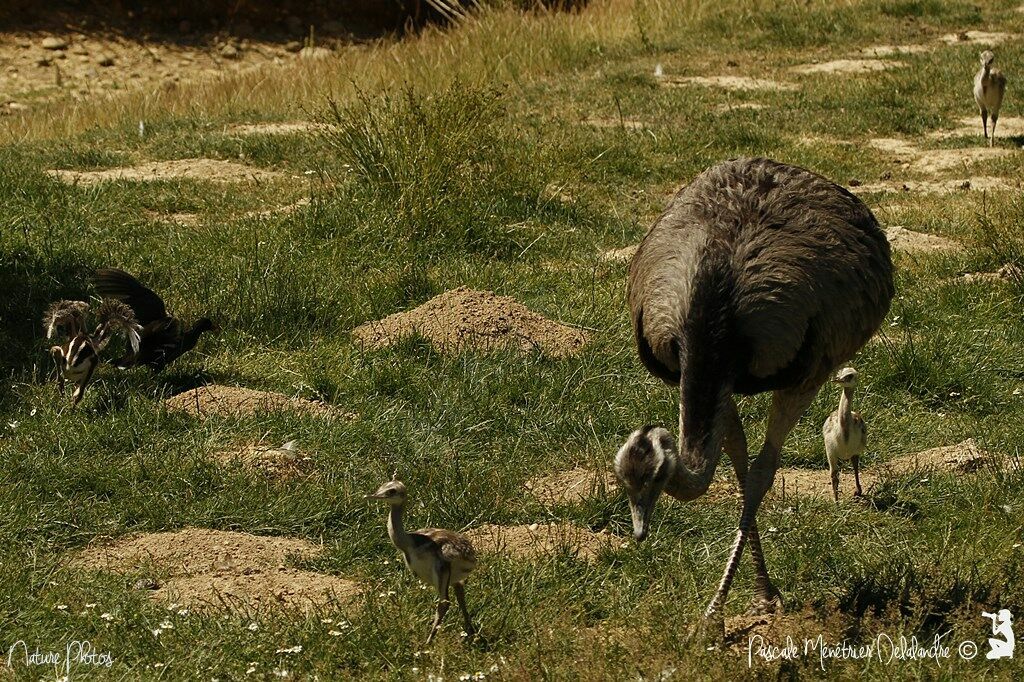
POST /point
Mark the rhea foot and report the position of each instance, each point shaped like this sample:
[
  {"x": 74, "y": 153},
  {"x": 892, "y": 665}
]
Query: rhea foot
[{"x": 768, "y": 600}]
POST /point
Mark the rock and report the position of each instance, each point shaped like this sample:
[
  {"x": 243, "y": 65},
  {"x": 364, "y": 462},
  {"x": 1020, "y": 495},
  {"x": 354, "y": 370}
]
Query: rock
[
  {"x": 106, "y": 60},
  {"x": 54, "y": 43},
  {"x": 293, "y": 46},
  {"x": 229, "y": 51},
  {"x": 314, "y": 53},
  {"x": 146, "y": 584}
]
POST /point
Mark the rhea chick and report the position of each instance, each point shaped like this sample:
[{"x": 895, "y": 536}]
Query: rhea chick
[
  {"x": 438, "y": 557},
  {"x": 989, "y": 88},
  {"x": 845, "y": 434}
]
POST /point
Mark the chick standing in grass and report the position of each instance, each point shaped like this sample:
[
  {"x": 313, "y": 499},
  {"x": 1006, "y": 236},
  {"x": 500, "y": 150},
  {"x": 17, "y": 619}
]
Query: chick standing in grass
[
  {"x": 989, "y": 88},
  {"x": 438, "y": 557},
  {"x": 845, "y": 434}
]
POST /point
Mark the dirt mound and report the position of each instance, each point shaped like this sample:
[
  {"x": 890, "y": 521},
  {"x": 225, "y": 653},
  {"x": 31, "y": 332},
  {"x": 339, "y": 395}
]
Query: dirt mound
[
  {"x": 935, "y": 161},
  {"x": 211, "y": 170},
  {"x": 278, "y": 210},
  {"x": 893, "y": 50},
  {"x": 233, "y": 401},
  {"x": 963, "y": 457},
  {"x": 902, "y": 239},
  {"x": 725, "y": 108},
  {"x": 627, "y": 123},
  {"x": 291, "y": 128},
  {"x": 849, "y": 66},
  {"x": 989, "y": 38},
  {"x": 464, "y": 317},
  {"x": 279, "y": 463},
  {"x": 970, "y": 126},
  {"x": 623, "y": 255},
  {"x": 977, "y": 184},
  {"x": 537, "y": 539},
  {"x": 1007, "y": 273},
  {"x": 201, "y": 568},
  {"x": 738, "y": 83},
  {"x": 573, "y": 486}
]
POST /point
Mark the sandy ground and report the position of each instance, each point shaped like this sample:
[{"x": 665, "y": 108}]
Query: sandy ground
[
  {"x": 466, "y": 318},
  {"x": 849, "y": 66},
  {"x": 738, "y": 83},
  {"x": 211, "y": 170},
  {"x": 234, "y": 401},
  {"x": 902, "y": 239},
  {"x": 537, "y": 539},
  {"x": 281, "y": 463},
  {"x": 205, "y": 568}
]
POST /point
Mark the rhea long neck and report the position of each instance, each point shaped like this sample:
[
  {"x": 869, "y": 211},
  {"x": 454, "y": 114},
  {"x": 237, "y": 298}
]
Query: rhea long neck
[
  {"x": 702, "y": 416},
  {"x": 396, "y": 531},
  {"x": 846, "y": 405}
]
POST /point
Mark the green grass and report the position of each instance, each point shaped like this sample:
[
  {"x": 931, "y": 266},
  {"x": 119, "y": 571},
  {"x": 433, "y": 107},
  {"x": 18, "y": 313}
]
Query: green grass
[{"x": 443, "y": 168}]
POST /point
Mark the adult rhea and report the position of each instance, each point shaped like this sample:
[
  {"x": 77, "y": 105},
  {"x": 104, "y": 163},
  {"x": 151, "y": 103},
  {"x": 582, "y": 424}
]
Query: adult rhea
[{"x": 759, "y": 277}]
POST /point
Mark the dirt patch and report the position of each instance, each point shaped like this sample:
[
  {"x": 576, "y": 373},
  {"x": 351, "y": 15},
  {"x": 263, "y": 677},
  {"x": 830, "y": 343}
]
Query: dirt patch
[
  {"x": 776, "y": 628},
  {"x": 877, "y": 51},
  {"x": 292, "y": 128},
  {"x": 736, "y": 83},
  {"x": 1008, "y": 273},
  {"x": 739, "y": 106},
  {"x": 955, "y": 186},
  {"x": 902, "y": 239},
  {"x": 627, "y": 123},
  {"x": 961, "y": 458},
  {"x": 279, "y": 463},
  {"x": 204, "y": 568},
  {"x": 623, "y": 255},
  {"x": 573, "y": 486},
  {"x": 970, "y": 126},
  {"x": 466, "y": 318},
  {"x": 537, "y": 539},
  {"x": 278, "y": 210},
  {"x": 234, "y": 401},
  {"x": 935, "y": 161},
  {"x": 976, "y": 38},
  {"x": 211, "y": 170},
  {"x": 849, "y": 66}
]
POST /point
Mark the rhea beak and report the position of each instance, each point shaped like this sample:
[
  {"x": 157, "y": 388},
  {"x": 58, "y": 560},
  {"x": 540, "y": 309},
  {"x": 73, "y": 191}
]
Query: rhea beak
[{"x": 641, "y": 510}]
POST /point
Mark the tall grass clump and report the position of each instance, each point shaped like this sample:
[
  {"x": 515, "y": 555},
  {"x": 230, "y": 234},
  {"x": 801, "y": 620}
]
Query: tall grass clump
[{"x": 438, "y": 172}]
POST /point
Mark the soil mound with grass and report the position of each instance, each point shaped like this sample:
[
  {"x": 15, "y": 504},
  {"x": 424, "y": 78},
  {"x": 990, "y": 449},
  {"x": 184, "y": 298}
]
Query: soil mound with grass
[
  {"x": 210, "y": 170},
  {"x": 235, "y": 401},
  {"x": 964, "y": 457},
  {"x": 204, "y": 568},
  {"x": 466, "y": 318},
  {"x": 902, "y": 239},
  {"x": 849, "y": 66},
  {"x": 735, "y": 83},
  {"x": 623, "y": 255},
  {"x": 538, "y": 539},
  {"x": 573, "y": 486},
  {"x": 279, "y": 463}
]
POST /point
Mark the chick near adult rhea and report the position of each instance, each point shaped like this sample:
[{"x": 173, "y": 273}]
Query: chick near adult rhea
[
  {"x": 989, "y": 89},
  {"x": 845, "y": 433},
  {"x": 164, "y": 337},
  {"x": 759, "y": 277},
  {"x": 441, "y": 558}
]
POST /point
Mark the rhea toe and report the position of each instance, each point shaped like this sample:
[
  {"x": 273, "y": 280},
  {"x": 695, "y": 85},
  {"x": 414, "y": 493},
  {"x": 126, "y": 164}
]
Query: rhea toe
[{"x": 441, "y": 558}]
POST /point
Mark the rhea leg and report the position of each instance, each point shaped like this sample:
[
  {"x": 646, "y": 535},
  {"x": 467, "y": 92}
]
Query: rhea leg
[
  {"x": 833, "y": 468},
  {"x": 766, "y": 597},
  {"x": 984, "y": 121},
  {"x": 460, "y": 596},
  {"x": 992, "y": 137},
  {"x": 444, "y": 577},
  {"x": 787, "y": 407},
  {"x": 80, "y": 386},
  {"x": 856, "y": 475}
]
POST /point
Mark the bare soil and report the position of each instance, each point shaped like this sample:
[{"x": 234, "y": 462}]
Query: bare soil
[
  {"x": 204, "y": 568},
  {"x": 975, "y": 183},
  {"x": 289, "y": 128},
  {"x": 212, "y": 170},
  {"x": 1007, "y": 273},
  {"x": 465, "y": 318},
  {"x": 970, "y": 126},
  {"x": 963, "y": 457},
  {"x": 234, "y": 401},
  {"x": 538, "y": 539},
  {"x": 936, "y": 161},
  {"x": 902, "y": 239},
  {"x": 739, "y": 106},
  {"x": 627, "y": 123},
  {"x": 278, "y": 463},
  {"x": 622, "y": 255},
  {"x": 989, "y": 38},
  {"x": 849, "y": 66},
  {"x": 877, "y": 51},
  {"x": 738, "y": 83},
  {"x": 573, "y": 486}
]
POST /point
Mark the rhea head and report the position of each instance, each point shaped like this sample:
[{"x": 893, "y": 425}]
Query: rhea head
[
  {"x": 846, "y": 377},
  {"x": 392, "y": 492},
  {"x": 987, "y": 57},
  {"x": 644, "y": 466}
]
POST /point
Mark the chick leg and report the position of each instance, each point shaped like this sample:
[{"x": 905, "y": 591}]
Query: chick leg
[
  {"x": 442, "y": 603},
  {"x": 856, "y": 475},
  {"x": 460, "y": 596}
]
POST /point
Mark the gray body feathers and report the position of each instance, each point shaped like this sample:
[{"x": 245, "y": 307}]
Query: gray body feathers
[{"x": 765, "y": 275}]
